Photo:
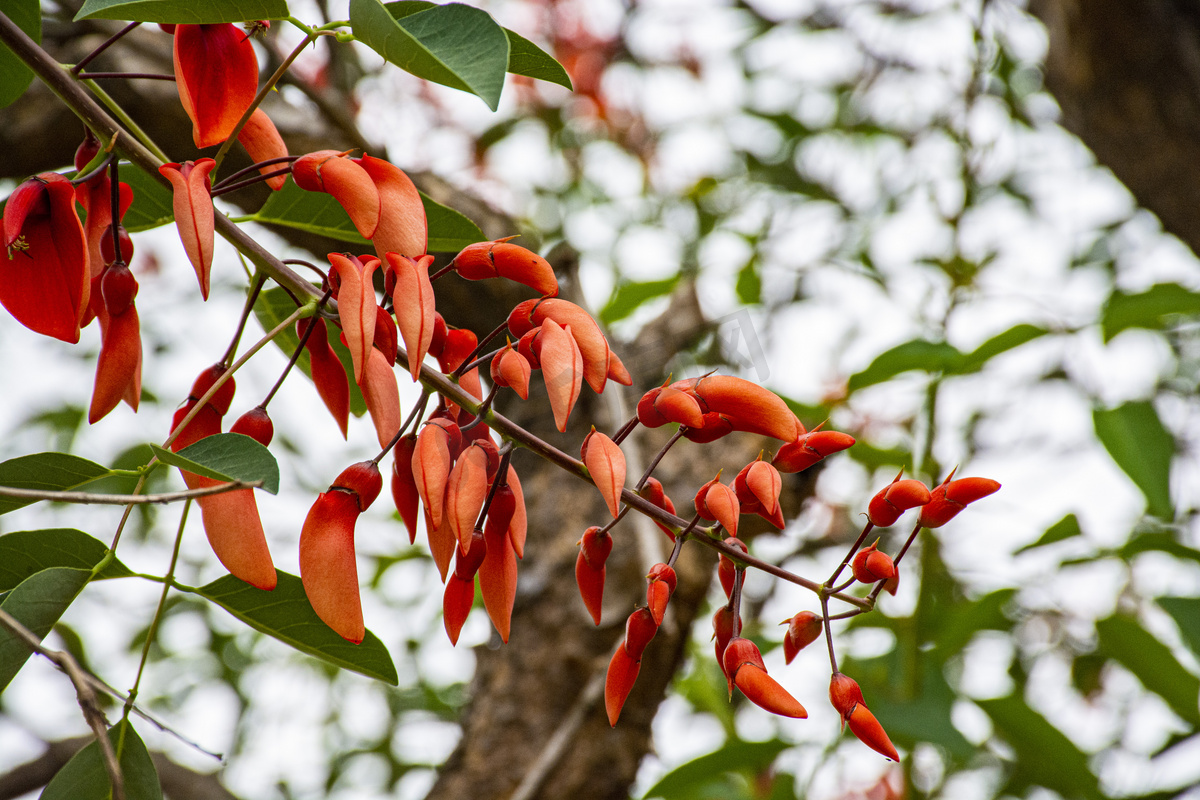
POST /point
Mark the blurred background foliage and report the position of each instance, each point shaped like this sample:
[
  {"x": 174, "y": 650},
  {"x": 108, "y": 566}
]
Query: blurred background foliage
[{"x": 876, "y": 209}]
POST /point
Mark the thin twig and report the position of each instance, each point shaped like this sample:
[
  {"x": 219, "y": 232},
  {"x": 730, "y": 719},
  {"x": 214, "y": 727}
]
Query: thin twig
[
  {"x": 83, "y": 692},
  {"x": 87, "y": 498}
]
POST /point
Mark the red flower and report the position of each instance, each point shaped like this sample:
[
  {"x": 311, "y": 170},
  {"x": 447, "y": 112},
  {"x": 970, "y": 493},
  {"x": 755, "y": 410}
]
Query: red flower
[
  {"x": 803, "y": 630},
  {"x": 847, "y": 698},
  {"x": 262, "y": 141},
  {"x": 499, "y": 259},
  {"x": 594, "y": 549},
  {"x": 217, "y": 75},
  {"x": 894, "y": 499},
  {"x": 870, "y": 565},
  {"x": 744, "y": 668},
  {"x": 327, "y": 565},
  {"x": 951, "y": 497},
  {"x": 44, "y": 278},
  {"x": 192, "y": 204},
  {"x": 606, "y": 466}
]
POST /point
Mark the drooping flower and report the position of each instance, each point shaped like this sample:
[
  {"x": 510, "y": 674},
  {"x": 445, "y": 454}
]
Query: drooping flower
[
  {"x": 661, "y": 581},
  {"x": 870, "y": 565},
  {"x": 355, "y": 293},
  {"x": 594, "y": 548},
  {"x": 716, "y": 501},
  {"x": 413, "y": 304},
  {"x": 328, "y": 374},
  {"x": 327, "y": 564},
  {"x": 626, "y": 662},
  {"x": 894, "y": 499},
  {"x": 44, "y": 275},
  {"x": 803, "y": 630},
  {"x": 745, "y": 669},
  {"x": 951, "y": 497},
  {"x": 500, "y": 259},
  {"x": 847, "y": 698},
  {"x": 217, "y": 75},
  {"x": 194, "y": 219},
  {"x": 599, "y": 362},
  {"x": 262, "y": 141},
  {"x": 606, "y": 465}
]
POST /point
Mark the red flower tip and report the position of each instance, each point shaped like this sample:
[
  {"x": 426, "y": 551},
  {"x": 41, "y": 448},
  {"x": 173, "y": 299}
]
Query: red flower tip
[
  {"x": 870, "y": 565},
  {"x": 894, "y": 499},
  {"x": 499, "y": 259},
  {"x": 216, "y": 73},
  {"x": 661, "y": 586},
  {"x": 256, "y": 424},
  {"x": 119, "y": 368},
  {"x": 744, "y": 405},
  {"x": 810, "y": 448},
  {"x": 803, "y": 630},
  {"x": 639, "y": 630},
  {"x": 594, "y": 549},
  {"x": 766, "y": 693},
  {"x": 498, "y": 574},
  {"x": 606, "y": 466},
  {"x": 562, "y": 369},
  {"x": 653, "y": 492},
  {"x": 262, "y": 141},
  {"x": 363, "y": 480},
  {"x": 868, "y": 730},
  {"x": 466, "y": 491},
  {"x": 456, "y": 604},
  {"x": 327, "y": 564},
  {"x": 716, "y": 501},
  {"x": 192, "y": 204},
  {"x": 404, "y": 484},
  {"x": 618, "y": 682},
  {"x": 951, "y": 497}
]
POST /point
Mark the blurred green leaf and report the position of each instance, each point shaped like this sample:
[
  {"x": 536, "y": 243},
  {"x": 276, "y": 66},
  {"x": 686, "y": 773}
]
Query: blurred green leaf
[
  {"x": 930, "y": 357},
  {"x": 24, "y": 553},
  {"x": 36, "y": 602},
  {"x": 749, "y": 284},
  {"x": 1136, "y": 439},
  {"x": 1044, "y": 756},
  {"x": 273, "y": 307},
  {"x": 960, "y": 623},
  {"x": 153, "y": 204},
  {"x": 1065, "y": 528},
  {"x": 15, "y": 77},
  {"x": 453, "y": 44},
  {"x": 1000, "y": 343},
  {"x": 285, "y": 614},
  {"x": 84, "y": 777},
  {"x": 46, "y": 472},
  {"x": 733, "y": 756},
  {"x": 627, "y": 297},
  {"x": 1186, "y": 613},
  {"x": 1149, "y": 309},
  {"x": 226, "y": 457},
  {"x": 186, "y": 12},
  {"x": 1157, "y": 541},
  {"x": 1124, "y": 640}
]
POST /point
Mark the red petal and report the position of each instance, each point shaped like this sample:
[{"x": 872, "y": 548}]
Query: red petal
[
  {"x": 466, "y": 490},
  {"x": 404, "y": 485},
  {"x": 765, "y": 692},
  {"x": 413, "y": 304},
  {"x": 192, "y": 204},
  {"x": 748, "y": 406},
  {"x": 456, "y": 604},
  {"x": 498, "y": 578},
  {"x": 402, "y": 226},
  {"x": 119, "y": 368},
  {"x": 329, "y": 375},
  {"x": 327, "y": 565},
  {"x": 216, "y": 72},
  {"x": 262, "y": 141},
  {"x": 356, "y": 306},
  {"x": 518, "y": 527},
  {"x": 803, "y": 630},
  {"x": 864, "y": 725},
  {"x": 606, "y": 465},
  {"x": 622, "y": 672},
  {"x": 382, "y": 396},
  {"x": 592, "y": 345},
  {"x": 431, "y": 467},
  {"x": 562, "y": 370}
]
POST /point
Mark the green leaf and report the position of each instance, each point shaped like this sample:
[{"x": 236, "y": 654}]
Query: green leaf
[
  {"x": 526, "y": 58},
  {"x": 918, "y": 354},
  {"x": 1186, "y": 613},
  {"x": 1136, "y": 439},
  {"x": 286, "y": 614},
  {"x": 749, "y": 284},
  {"x": 628, "y": 296},
  {"x": 454, "y": 45},
  {"x": 1158, "y": 541},
  {"x": 153, "y": 205},
  {"x": 55, "y": 472},
  {"x": 1000, "y": 343},
  {"x": 226, "y": 457},
  {"x": 319, "y": 213},
  {"x": 1149, "y": 309},
  {"x": 37, "y": 602},
  {"x": 1044, "y": 756},
  {"x": 1065, "y": 528},
  {"x": 84, "y": 777},
  {"x": 23, "y": 553},
  {"x": 1133, "y": 647},
  {"x": 187, "y": 12},
  {"x": 15, "y": 77},
  {"x": 733, "y": 756},
  {"x": 273, "y": 307}
]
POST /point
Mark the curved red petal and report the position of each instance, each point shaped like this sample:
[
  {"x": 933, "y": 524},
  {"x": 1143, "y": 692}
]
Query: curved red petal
[{"x": 327, "y": 566}]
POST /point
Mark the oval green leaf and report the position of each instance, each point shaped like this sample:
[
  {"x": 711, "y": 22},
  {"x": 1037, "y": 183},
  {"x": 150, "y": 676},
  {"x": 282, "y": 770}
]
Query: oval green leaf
[
  {"x": 24, "y": 553},
  {"x": 37, "y": 602},
  {"x": 53, "y": 472},
  {"x": 285, "y": 614},
  {"x": 526, "y": 58},
  {"x": 15, "y": 77},
  {"x": 226, "y": 457},
  {"x": 152, "y": 202},
  {"x": 85, "y": 778},
  {"x": 454, "y": 45},
  {"x": 1135, "y": 438},
  {"x": 186, "y": 12}
]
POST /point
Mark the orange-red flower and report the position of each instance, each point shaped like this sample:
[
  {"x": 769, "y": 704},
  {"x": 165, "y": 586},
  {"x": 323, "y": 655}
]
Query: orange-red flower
[
  {"x": 404, "y": 484},
  {"x": 460, "y": 586},
  {"x": 262, "y": 141},
  {"x": 594, "y": 549},
  {"x": 894, "y": 499},
  {"x": 951, "y": 497},
  {"x": 498, "y": 573},
  {"x": 216, "y": 72},
  {"x": 510, "y": 368},
  {"x": 716, "y": 501},
  {"x": 809, "y": 448},
  {"x": 846, "y": 697},
  {"x": 192, "y": 204},
  {"x": 757, "y": 488},
  {"x": 744, "y": 668},
  {"x": 327, "y": 565},
  {"x": 413, "y": 304},
  {"x": 499, "y": 259},
  {"x": 661, "y": 585},
  {"x": 44, "y": 277},
  {"x": 606, "y": 466},
  {"x": 328, "y": 374},
  {"x": 803, "y": 630},
  {"x": 870, "y": 565},
  {"x": 599, "y": 362},
  {"x": 626, "y": 662},
  {"x": 355, "y": 293}
]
